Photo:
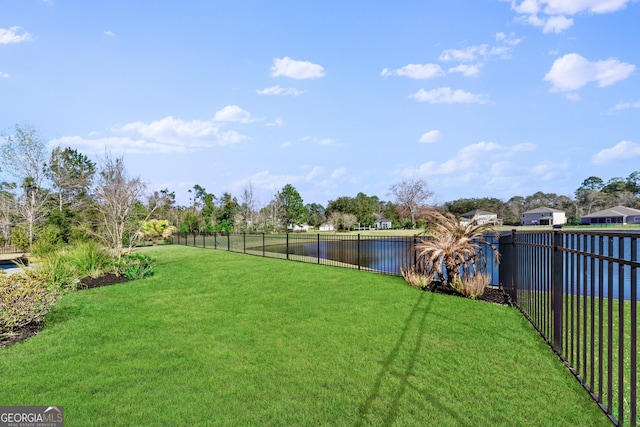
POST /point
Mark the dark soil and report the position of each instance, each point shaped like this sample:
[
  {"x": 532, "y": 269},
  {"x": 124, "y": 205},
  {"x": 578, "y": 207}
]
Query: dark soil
[
  {"x": 491, "y": 294},
  {"x": 34, "y": 327},
  {"x": 97, "y": 282}
]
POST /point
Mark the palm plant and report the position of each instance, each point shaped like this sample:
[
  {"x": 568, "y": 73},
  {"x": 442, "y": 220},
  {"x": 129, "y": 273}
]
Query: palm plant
[{"x": 453, "y": 249}]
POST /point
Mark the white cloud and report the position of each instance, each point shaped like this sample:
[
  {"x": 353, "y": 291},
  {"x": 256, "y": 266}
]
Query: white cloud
[
  {"x": 233, "y": 113},
  {"x": 294, "y": 69},
  {"x": 167, "y": 135},
  {"x": 621, "y": 151},
  {"x": 109, "y": 33},
  {"x": 124, "y": 145},
  {"x": 573, "y": 97},
  {"x": 14, "y": 35},
  {"x": 556, "y": 24},
  {"x": 276, "y": 123},
  {"x": 510, "y": 39},
  {"x": 339, "y": 173},
  {"x": 415, "y": 71},
  {"x": 572, "y": 71},
  {"x": 573, "y": 7},
  {"x": 548, "y": 170},
  {"x": 470, "y": 158},
  {"x": 4, "y": 75},
  {"x": 445, "y": 95},
  {"x": 468, "y": 54},
  {"x": 551, "y": 15},
  {"x": 620, "y": 106},
  {"x": 430, "y": 137},
  {"x": 466, "y": 70},
  {"x": 279, "y": 90}
]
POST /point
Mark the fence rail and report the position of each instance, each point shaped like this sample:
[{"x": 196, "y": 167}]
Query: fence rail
[
  {"x": 579, "y": 290},
  {"x": 385, "y": 255}
]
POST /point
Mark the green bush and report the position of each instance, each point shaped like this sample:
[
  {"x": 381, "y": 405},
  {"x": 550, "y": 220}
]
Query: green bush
[
  {"x": 47, "y": 239},
  {"x": 89, "y": 259},
  {"x": 24, "y": 298},
  {"x": 56, "y": 269},
  {"x": 135, "y": 266},
  {"x": 20, "y": 238}
]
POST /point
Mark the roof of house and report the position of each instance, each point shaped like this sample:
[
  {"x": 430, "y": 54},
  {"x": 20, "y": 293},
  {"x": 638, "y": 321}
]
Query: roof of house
[
  {"x": 615, "y": 211},
  {"x": 476, "y": 212},
  {"x": 380, "y": 218},
  {"x": 542, "y": 210}
]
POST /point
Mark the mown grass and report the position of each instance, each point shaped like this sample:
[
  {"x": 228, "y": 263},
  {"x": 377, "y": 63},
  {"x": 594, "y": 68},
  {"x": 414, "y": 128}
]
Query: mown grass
[{"x": 218, "y": 338}]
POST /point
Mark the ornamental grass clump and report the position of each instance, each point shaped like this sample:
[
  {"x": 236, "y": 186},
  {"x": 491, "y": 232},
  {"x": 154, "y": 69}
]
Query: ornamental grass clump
[
  {"x": 453, "y": 251},
  {"x": 472, "y": 286},
  {"x": 415, "y": 278},
  {"x": 89, "y": 259}
]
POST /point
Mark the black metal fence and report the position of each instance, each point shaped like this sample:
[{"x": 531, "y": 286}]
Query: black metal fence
[
  {"x": 580, "y": 291},
  {"x": 385, "y": 255}
]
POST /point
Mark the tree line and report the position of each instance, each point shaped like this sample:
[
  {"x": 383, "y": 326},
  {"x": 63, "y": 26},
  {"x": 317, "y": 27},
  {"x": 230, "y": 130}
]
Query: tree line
[{"x": 58, "y": 196}]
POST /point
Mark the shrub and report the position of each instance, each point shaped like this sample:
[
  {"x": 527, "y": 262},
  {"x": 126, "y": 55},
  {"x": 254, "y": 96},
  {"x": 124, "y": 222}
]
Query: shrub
[
  {"x": 415, "y": 278},
  {"x": 48, "y": 240},
  {"x": 24, "y": 299},
  {"x": 56, "y": 269},
  {"x": 472, "y": 286},
  {"x": 89, "y": 259},
  {"x": 135, "y": 266}
]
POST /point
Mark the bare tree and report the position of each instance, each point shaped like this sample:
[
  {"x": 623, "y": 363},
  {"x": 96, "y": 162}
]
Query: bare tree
[
  {"x": 247, "y": 206},
  {"x": 342, "y": 220},
  {"x": 411, "y": 195},
  {"x": 7, "y": 212},
  {"x": 23, "y": 157},
  {"x": 117, "y": 198}
]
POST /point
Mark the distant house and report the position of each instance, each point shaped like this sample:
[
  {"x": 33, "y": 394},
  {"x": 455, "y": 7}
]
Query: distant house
[
  {"x": 615, "y": 215},
  {"x": 326, "y": 227},
  {"x": 299, "y": 228},
  {"x": 481, "y": 217},
  {"x": 543, "y": 216},
  {"x": 381, "y": 223}
]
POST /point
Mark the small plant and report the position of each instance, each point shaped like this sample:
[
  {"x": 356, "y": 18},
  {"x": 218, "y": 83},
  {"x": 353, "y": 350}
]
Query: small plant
[
  {"x": 135, "y": 266},
  {"x": 472, "y": 286},
  {"x": 155, "y": 229},
  {"x": 55, "y": 269},
  {"x": 24, "y": 298},
  {"x": 415, "y": 278},
  {"x": 89, "y": 259}
]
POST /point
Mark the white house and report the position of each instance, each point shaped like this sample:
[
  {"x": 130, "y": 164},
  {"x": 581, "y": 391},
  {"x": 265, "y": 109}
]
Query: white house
[
  {"x": 543, "y": 216},
  {"x": 481, "y": 217},
  {"x": 615, "y": 215},
  {"x": 326, "y": 227},
  {"x": 299, "y": 228},
  {"x": 381, "y": 223}
]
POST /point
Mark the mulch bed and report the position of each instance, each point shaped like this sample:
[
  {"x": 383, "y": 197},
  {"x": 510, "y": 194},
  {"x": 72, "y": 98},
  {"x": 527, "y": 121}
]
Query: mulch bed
[
  {"x": 33, "y": 328},
  {"x": 491, "y": 294}
]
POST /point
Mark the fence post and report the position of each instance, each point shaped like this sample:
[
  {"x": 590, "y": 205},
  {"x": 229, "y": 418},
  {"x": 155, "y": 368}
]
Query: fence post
[
  {"x": 318, "y": 248},
  {"x": 263, "y": 248},
  {"x": 358, "y": 251},
  {"x": 244, "y": 242},
  {"x": 287, "y": 245},
  {"x": 557, "y": 269}
]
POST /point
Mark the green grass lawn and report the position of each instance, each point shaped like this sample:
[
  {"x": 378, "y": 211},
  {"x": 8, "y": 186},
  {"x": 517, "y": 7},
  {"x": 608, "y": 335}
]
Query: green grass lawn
[{"x": 219, "y": 338}]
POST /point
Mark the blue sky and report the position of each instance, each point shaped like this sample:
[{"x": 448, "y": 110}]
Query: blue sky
[{"x": 480, "y": 98}]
